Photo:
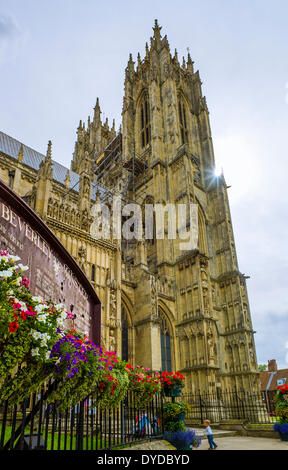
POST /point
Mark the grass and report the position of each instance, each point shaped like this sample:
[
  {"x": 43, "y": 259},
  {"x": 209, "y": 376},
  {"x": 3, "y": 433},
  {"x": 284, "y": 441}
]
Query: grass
[{"x": 93, "y": 444}]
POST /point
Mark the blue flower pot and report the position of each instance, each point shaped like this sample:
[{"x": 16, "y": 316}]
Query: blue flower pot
[
  {"x": 175, "y": 391},
  {"x": 182, "y": 446},
  {"x": 180, "y": 417}
]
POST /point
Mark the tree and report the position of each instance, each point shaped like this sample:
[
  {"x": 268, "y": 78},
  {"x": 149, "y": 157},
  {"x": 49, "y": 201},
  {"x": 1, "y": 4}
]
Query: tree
[{"x": 262, "y": 367}]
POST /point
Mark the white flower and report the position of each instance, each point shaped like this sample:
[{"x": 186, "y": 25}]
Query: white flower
[
  {"x": 36, "y": 334},
  {"x": 17, "y": 281},
  {"x": 39, "y": 308},
  {"x": 46, "y": 336},
  {"x": 14, "y": 258},
  {"x": 23, "y": 305},
  {"x": 35, "y": 352},
  {"x": 37, "y": 299},
  {"x": 22, "y": 267},
  {"x": 59, "y": 322},
  {"x": 42, "y": 318},
  {"x": 6, "y": 273},
  {"x": 5, "y": 258},
  {"x": 47, "y": 355}
]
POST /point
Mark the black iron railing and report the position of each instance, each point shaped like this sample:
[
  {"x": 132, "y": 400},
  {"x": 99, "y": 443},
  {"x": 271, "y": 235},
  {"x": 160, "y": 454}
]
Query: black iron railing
[
  {"x": 37, "y": 424},
  {"x": 250, "y": 407}
]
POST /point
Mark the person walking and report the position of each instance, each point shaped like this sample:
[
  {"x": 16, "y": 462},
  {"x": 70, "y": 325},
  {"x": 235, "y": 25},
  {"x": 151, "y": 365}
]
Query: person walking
[{"x": 209, "y": 435}]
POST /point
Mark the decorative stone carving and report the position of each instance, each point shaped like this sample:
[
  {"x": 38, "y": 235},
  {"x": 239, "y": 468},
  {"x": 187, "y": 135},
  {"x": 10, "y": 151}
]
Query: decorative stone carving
[{"x": 154, "y": 296}]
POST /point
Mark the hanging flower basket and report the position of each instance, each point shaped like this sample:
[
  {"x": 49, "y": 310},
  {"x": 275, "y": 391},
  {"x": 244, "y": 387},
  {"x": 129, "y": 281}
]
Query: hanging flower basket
[{"x": 172, "y": 383}]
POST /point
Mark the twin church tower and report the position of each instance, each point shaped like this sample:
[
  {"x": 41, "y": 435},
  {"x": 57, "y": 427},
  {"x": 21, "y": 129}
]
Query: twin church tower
[{"x": 162, "y": 307}]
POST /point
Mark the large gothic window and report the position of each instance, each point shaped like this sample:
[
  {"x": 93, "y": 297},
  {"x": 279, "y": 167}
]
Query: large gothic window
[
  {"x": 145, "y": 131},
  {"x": 166, "y": 364},
  {"x": 183, "y": 121},
  {"x": 124, "y": 335}
]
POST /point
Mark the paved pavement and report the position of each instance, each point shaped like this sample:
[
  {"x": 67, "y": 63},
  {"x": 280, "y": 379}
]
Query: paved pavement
[
  {"x": 224, "y": 443},
  {"x": 245, "y": 443}
]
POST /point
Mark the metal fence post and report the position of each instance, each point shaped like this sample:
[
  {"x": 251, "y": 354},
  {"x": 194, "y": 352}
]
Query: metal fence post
[
  {"x": 79, "y": 428},
  {"x": 200, "y": 402}
]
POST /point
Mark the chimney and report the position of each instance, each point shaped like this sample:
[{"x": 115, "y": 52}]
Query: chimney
[{"x": 272, "y": 365}]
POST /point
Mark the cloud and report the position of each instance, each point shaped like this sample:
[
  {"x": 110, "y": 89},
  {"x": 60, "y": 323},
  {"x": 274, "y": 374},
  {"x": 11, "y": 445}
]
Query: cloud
[
  {"x": 12, "y": 38},
  {"x": 8, "y": 27}
]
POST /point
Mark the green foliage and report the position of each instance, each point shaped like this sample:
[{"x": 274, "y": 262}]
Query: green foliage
[
  {"x": 262, "y": 367},
  {"x": 281, "y": 404},
  {"x": 174, "y": 426},
  {"x": 172, "y": 410}
]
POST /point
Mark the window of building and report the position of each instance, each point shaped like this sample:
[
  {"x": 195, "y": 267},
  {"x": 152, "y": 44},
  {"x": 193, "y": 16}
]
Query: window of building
[
  {"x": 124, "y": 335},
  {"x": 145, "y": 131},
  {"x": 183, "y": 121},
  {"x": 166, "y": 364},
  {"x": 93, "y": 272}
]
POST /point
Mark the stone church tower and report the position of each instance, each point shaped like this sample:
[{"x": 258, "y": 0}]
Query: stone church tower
[{"x": 162, "y": 307}]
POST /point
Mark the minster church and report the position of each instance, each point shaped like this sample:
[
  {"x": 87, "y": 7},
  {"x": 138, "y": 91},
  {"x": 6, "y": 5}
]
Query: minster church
[{"x": 161, "y": 307}]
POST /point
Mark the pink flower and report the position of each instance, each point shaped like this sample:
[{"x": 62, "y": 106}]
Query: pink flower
[
  {"x": 16, "y": 306},
  {"x": 25, "y": 282},
  {"x": 70, "y": 315}
]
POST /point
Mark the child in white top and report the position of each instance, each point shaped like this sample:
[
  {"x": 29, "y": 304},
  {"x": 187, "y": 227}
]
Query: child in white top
[{"x": 209, "y": 435}]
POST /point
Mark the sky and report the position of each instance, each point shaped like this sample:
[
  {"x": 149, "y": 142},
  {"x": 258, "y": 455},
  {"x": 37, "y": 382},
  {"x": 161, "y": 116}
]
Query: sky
[{"x": 56, "y": 57}]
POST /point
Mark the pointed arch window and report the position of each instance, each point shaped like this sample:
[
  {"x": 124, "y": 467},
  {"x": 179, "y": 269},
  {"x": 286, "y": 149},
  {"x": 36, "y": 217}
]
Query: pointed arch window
[
  {"x": 93, "y": 272},
  {"x": 124, "y": 335},
  {"x": 182, "y": 121},
  {"x": 166, "y": 364},
  {"x": 145, "y": 130}
]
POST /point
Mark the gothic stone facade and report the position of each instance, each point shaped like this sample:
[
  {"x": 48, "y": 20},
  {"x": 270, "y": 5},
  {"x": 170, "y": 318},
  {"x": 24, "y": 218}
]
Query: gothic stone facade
[{"x": 161, "y": 307}]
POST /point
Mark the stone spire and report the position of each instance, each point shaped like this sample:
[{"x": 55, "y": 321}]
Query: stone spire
[
  {"x": 175, "y": 58},
  {"x": 190, "y": 63},
  {"x": 157, "y": 33},
  {"x": 21, "y": 153},
  {"x": 97, "y": 112},
  {"x": 130, "y": 65},
  {"x": 147, "y": 50},
  {"x": 43, "y": 185},
  {"x": 67, "y": 179},
  {"x": 45, "y": 168},
  {"x": 49, "y": 151},
  {"x": 138, "y": 60},
  {"x": 85, "y": 172}
]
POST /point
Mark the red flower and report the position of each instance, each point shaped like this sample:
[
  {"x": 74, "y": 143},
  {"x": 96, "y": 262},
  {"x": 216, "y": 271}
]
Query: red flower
[
  {"x": 23, "y": 315},
  {"x": 31, "y": 312},
  {"x": 13, "y": 326}
]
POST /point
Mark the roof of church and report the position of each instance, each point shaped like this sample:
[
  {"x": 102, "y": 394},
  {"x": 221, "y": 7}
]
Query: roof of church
[{"x": 32, "y": 158}]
